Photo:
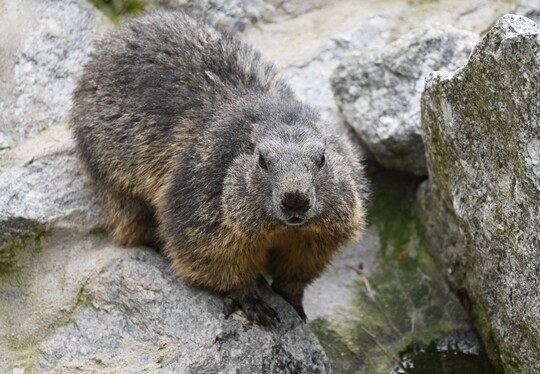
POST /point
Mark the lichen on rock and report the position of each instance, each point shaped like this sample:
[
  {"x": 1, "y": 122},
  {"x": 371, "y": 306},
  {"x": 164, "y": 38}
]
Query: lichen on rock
[{"x": 482, "y": 205}]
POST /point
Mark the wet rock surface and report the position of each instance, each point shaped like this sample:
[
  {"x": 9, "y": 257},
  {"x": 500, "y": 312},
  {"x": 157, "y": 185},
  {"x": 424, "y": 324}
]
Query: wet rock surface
[
  {"x": 378, "y": 91},
  {"x": 457, "y": 352},
  {"x": 396, "y": 297},
  {"x": 481, "y": 206}
]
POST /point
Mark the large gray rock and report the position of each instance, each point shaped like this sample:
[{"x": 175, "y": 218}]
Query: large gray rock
[
  {"x": 378, "y": 91},
  {"x": 311, "y": 82},
  {"x": 83, "y": 304},
  {"x": 43, "y": 47},
  {"x": 44, "y": 187},
  {"x": 481, "y": 128},
  {"x": 136, "y": 315}
]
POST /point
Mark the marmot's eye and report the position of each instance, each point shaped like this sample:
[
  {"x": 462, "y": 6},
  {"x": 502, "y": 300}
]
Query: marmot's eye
[
  {"x": 322, "y": 161},
  {"x": 262, "y": 163}
]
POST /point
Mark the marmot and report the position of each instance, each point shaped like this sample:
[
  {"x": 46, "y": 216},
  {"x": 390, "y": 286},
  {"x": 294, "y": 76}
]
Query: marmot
[{"x": 195, "y": 145}]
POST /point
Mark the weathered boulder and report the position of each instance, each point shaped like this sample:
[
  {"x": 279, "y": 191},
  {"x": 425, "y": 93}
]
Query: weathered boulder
[
  {"x": 43, "y": 184},
  {"x": 378, "y": 91},
  {"x": 136, "y": 315},
  {"x": 43, "y": 47},
  {"x": 481, "y": 129}
]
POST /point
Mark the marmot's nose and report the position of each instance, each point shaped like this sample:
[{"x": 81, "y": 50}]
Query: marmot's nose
[{"x": 295, "y": 202}]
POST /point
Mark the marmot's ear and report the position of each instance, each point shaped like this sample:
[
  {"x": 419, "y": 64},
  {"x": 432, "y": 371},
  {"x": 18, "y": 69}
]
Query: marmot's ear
[{"x": 255, "y": 132}]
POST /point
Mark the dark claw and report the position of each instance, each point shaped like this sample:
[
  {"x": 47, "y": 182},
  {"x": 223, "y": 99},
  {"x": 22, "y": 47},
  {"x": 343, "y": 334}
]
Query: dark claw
[
  {"x": 255, "y": 309},
  {"x": 229, "y": 307},
  {"x": 295, "y": 302},
  {"x": 262, "y": 282},
  {"x": 300, "y": 310}
]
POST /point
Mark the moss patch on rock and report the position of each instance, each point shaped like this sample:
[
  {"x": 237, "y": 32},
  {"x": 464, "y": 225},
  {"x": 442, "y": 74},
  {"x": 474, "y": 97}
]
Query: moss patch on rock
[
  {"x": 19, "y": 237},
  {"x": 118, "y": 9}
]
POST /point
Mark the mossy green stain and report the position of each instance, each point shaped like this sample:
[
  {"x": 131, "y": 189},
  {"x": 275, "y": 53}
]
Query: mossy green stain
[
  {"x": 13, "y": 247},
  {"x": 118, "y": 9},
  {"x": 423, "y": 2},
  {"x": 26, "y": 353},
  {"x": 343, "y": 359}
]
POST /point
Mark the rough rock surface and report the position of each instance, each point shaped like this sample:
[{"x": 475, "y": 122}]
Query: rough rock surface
[
  {"x": 481, "y": 128},
  {"x": 42, "y": 49},
  {"x": 378, "y": 91},
  {"x": 136, "y": 315},
  {"x": 236, "y": 15},
  {"x": 43, "y": 182},
  {"x": 229, "y": 15},
  {"x": 311, "y": 82}
]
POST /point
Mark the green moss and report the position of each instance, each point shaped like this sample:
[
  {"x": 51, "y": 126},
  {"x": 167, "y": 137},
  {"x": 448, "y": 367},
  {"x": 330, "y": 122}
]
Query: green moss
[
  {"x": 13, "y": 246},
  {"x": 99, "y": 362},
  {"x": 98, "y": 231},
  {"x": 483, "y": 324},
  {"x": 26, "y": 354},
  {"x": 82, "y": 300},
  {"x": 118, "y": 9},
  {"x": 343, "y": 359}
]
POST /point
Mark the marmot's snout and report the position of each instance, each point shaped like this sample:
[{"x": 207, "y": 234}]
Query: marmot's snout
[{"x": 294, "y": 206}]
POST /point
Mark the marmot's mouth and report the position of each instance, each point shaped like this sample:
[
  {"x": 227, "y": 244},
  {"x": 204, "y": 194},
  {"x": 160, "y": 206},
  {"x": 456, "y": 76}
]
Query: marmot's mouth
[{"x": 295, "y": 221}]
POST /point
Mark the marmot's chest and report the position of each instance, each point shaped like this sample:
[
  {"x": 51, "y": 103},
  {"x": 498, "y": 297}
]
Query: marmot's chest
[
  {"x": 296, "y": 251},
  {"x": 290, "y": 239}
]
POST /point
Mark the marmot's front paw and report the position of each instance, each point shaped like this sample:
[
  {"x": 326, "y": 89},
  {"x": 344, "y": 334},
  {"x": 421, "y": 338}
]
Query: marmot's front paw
[
  {"x": 300, "y": 310},
  {"x": 255, "y": 309},
  {"x": 293, "y": 298}
]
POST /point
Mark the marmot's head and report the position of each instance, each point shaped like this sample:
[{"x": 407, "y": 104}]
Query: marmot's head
[
  {"x": 289, "y": 166},
  {"x": 298, "y": 173}
]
